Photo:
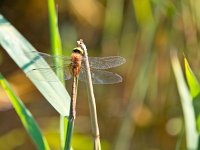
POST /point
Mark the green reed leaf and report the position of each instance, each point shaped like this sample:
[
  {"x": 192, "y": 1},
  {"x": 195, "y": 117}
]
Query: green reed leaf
[
  {"x": 25, "y": 117},
  {"x": 191, "y": 80},
  {"x": 19, "y": 49},
  {"x": 56, "y": 49}
]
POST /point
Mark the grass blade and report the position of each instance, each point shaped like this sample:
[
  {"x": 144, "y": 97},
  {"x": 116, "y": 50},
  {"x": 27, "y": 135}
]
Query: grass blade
[
  {"x": 186, "y": 101},
  {"x": 18, "y": 47},
  {"x": 56, "y": 49},
  {"x": 191, "y": 80},
  {"x": 26, "y": 117}
]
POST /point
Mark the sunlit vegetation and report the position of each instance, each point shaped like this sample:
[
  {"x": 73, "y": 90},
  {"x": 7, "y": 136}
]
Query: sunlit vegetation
[{"x": 155, "y": 107}]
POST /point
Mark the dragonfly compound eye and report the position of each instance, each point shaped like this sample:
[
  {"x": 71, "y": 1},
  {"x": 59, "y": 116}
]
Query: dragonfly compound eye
[{"x": 78, "y": 50}]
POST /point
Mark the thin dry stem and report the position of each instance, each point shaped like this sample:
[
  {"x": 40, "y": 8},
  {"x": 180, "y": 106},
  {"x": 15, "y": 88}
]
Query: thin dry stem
[{"x": 92, "y": 103}]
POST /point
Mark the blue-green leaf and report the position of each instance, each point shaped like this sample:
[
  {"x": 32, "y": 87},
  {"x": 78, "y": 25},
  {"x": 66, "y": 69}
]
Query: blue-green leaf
[{"x": 18, "y": 48}]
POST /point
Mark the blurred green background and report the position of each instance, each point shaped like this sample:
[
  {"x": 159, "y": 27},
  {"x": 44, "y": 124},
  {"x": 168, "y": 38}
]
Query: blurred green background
[{"x": 141, "y": 113}]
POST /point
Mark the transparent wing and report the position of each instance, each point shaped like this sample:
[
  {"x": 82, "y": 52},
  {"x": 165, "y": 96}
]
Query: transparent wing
[
  {"x": 100, "y": 77},
  {"x": 50, "y": 59},
  {"x": 106, "y": 62},
  {"x": 47, "y": 74},
  {"x": 95, "y": 62}
]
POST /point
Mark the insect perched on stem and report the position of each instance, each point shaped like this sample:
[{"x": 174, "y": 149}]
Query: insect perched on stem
[
  {"x": 74, "y": 67},
  {"x": 77, "y": 68}
]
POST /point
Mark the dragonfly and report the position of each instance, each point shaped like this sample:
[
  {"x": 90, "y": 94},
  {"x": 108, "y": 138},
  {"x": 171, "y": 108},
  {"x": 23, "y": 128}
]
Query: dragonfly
[{"x": 74, "y": 67}]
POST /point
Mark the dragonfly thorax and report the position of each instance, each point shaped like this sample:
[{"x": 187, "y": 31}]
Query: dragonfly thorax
[{"x": 76, "y": 59}]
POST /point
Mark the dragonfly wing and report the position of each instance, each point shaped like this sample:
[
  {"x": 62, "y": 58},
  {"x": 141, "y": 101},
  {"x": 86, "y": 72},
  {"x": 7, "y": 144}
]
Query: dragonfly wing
[
  {"x": 67, "y": 74},
  {"x": 50, "y": 59},
  {"x": 100, "y": 77},
  {"x": 46, "y": 74},
  {"x": 106, "y": 62}
]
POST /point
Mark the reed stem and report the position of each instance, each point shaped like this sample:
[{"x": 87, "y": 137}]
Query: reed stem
[{"x": 92, "y": 103}]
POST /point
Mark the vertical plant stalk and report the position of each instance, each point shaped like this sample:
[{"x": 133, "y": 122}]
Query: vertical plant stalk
[
  {"x": 139, "y": 90},
  {"x": 72, "y": 114},
  {"x": 186, "y": 102},
  {"x": 56, "y": 49},
  {"x": 92, "y": 103}
]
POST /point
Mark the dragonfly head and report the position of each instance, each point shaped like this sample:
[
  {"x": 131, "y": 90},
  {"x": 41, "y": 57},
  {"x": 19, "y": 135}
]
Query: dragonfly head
[{"x": 78, "y": 50}]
